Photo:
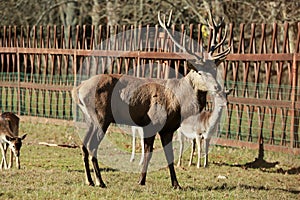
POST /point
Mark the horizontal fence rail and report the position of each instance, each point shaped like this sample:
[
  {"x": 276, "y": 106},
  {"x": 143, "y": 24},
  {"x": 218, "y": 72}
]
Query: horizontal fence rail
[{"x": 39, "y": 66}]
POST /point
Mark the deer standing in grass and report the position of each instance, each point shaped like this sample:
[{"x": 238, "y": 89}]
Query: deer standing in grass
[
  {"x": 156, "y": 105},
  {"x": 9, "y": 131},
  {"x": 202, "y": 126}
]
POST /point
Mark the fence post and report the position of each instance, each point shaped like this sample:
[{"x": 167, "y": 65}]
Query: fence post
[
  {"x": 74, "y": 106},
  {"x": 293, "y": 136},
  {"x": 19, "y": 85}
]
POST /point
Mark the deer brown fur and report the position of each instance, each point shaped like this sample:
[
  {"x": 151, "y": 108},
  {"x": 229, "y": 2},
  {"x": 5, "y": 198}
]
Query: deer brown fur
[{"x": 157, "y": 105}]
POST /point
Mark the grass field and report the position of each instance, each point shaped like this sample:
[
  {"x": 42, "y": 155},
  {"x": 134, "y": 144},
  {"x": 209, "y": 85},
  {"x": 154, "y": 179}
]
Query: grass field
[{"x": 57, "y": 173}]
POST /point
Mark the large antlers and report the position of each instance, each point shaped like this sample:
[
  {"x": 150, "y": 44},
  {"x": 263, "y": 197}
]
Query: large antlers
[
  {"x": 214, "y": 45},
  {"x": 166, "y": 26},
  {"x": 215, "y": 29}
]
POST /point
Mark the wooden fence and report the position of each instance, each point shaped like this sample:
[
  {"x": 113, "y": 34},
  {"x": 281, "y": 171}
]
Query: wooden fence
[{"x": 40, "y": 66}]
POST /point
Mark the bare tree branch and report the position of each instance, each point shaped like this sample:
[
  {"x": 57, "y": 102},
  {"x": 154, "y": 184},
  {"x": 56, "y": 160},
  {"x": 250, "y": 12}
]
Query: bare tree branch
[{"x": 51, "y": 8}]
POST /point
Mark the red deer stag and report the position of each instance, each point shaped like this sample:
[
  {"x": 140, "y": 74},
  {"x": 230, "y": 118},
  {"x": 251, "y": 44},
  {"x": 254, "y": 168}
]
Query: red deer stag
[
  {"x": 157, "y": 105},
  {"x": 9, "y": 131}
]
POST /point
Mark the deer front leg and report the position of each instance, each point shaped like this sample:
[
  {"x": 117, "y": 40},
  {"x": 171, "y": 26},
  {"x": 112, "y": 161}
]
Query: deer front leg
[
  {"x": 181, "y": 143},
  {"x": 206, "y": 143},
  {"x": 148, "y": 143},
  {"x": 143, "y": 147},
  {"x": 133, "y": 130},
  {"x": 198, "y": 142},
  {"x": 10, "y": 164},
  {"x": 3, "y": 161},
  {"x": 166, "y": 140},
  {"x": 192, "y": 152},
  {"x": 17, "y": 162}
]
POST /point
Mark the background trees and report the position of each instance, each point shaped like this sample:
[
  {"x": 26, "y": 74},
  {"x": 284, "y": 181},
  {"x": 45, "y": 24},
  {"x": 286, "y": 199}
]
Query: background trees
[{"x": 71, "y": 12}]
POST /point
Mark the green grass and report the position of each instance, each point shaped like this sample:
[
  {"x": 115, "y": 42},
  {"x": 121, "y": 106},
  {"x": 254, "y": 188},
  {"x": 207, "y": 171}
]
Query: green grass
[{"x": 57, "y": 173}]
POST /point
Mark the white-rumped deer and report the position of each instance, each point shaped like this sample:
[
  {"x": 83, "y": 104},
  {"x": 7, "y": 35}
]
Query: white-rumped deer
[
  {"x": 9, "y": 131},
  {"x": 202, "y": 126},
  {"x": 157, "y": 105}
]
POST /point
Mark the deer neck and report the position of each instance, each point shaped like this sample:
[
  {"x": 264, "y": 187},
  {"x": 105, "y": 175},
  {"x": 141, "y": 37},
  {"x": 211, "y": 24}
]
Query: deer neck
[
  {"x": 195, "y": 82},
  {"x": 218, "y": 109},
  {"x": 185, "y": 96},
  {"x": 214, "y": 118}
]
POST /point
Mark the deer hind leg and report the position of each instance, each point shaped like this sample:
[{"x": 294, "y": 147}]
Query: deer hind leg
[
  {"x": 166, "y": 140},
  {"x": 148, "y": 144},
  {"x": 98, "y": 137},
  {"x": 85, "y": 157},
  {"x": 90, "y": 146}
]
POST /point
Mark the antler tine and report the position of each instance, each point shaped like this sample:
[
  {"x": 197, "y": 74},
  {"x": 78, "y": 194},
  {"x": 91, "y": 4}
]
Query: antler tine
[
  {"x": 170, "y": 17},
  {"x": 163, "y": 25},
  {"x": 221, "y": 55},
  {"x": 215, "y": 27},
  {"x": 222, "y": 41},
  {"x": 214, "y": 44}
]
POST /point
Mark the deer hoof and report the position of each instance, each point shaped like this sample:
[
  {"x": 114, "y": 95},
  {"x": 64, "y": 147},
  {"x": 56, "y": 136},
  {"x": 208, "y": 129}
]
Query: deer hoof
[
  {"x": 142, "y": 182},
  {"x": 177, "y": 187},
  {"x": 90, "y": 183},
  {"x": 102, "y": 185}
]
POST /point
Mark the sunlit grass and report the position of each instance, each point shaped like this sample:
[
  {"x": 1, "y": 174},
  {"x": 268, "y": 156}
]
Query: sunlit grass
[{"x": 57, "y": 173}]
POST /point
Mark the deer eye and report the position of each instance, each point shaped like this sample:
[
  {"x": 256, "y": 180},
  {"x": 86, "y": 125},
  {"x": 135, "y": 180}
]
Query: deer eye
[{"x": 199, "y": 72}]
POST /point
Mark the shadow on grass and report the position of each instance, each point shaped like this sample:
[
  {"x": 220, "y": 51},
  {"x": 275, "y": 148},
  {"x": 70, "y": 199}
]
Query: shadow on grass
[
  {"x": 263, "y": 165},
  {"x": 227, "y": 187},
  {"x": 256, "y": 164},
  {"x": 293, "y": 170}
]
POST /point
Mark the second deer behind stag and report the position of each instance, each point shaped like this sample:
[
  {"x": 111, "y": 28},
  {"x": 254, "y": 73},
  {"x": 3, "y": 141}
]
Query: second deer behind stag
[{"x": 202, "y": 126}]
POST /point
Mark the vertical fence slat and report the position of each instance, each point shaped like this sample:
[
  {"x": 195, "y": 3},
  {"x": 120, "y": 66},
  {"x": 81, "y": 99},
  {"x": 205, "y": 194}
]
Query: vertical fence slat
[
  {"x": 294, "y": 126},
  {"x": 272, "y": 115}
]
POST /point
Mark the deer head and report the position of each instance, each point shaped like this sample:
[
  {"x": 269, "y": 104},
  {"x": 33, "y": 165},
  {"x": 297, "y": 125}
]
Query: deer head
[
  {"x": 220, "y": 97},
  {"x": 205, "y": 67},
  {"x": 15, "y": 143}
]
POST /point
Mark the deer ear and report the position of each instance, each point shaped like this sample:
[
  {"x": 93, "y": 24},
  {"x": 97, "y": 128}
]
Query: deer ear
[
  {"x": 23, "y": 137},
  {"x": 228, "y": 91},
  {"x": 9, "y": 138}
]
